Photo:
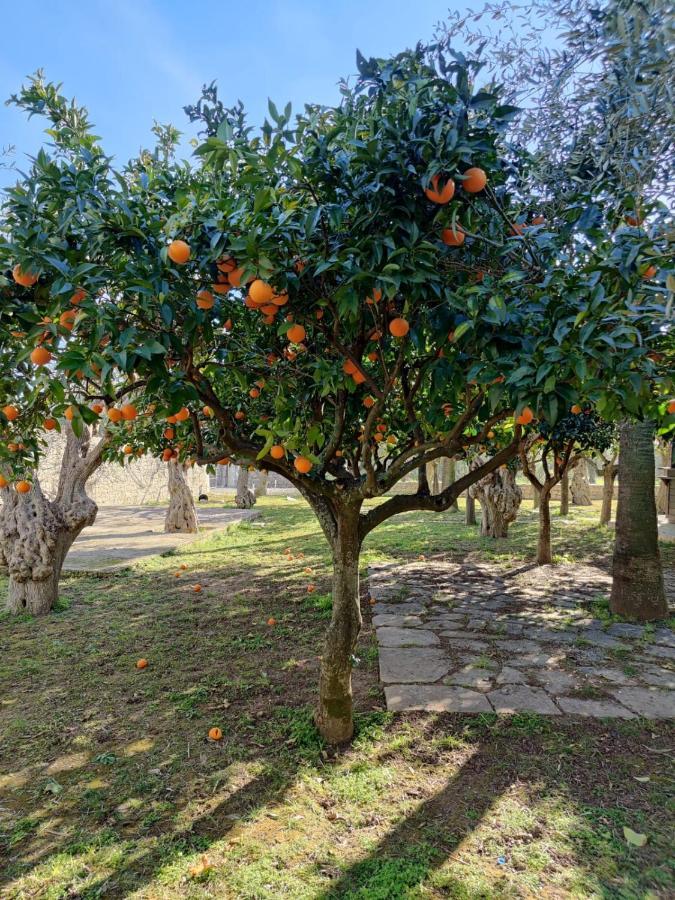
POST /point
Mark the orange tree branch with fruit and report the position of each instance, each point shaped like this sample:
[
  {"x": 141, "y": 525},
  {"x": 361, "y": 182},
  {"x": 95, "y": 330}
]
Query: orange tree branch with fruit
[{"x": 341, "y": 299}]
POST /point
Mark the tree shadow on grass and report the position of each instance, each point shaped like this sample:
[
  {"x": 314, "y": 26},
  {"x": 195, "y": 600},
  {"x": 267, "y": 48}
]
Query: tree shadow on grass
[{"x": 572, "y": 784}]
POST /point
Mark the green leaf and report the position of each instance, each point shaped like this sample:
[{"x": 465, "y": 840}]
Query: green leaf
[{"x": 634, "y": 838}]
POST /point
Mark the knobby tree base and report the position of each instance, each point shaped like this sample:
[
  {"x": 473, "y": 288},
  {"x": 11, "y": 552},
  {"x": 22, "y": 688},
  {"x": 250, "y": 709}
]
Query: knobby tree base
[
  {"x": 244, "y": 498},
  {"x": 499, "y": 497},
  {"x": 181, "y": 516},
  {"x": 36, "y": 533}
]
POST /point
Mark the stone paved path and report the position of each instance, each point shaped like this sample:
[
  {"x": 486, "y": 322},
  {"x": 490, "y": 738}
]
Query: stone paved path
[
  {"x": 471, "y": 637},
  {"x": 122, "y": 534}
]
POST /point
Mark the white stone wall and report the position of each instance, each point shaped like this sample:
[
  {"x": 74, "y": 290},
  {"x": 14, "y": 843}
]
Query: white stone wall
[{"x": 144, "y": 480}]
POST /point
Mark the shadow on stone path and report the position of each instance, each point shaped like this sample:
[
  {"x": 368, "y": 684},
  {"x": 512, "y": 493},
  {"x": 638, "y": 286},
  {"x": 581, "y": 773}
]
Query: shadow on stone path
[{"x": 473, "y": 637}]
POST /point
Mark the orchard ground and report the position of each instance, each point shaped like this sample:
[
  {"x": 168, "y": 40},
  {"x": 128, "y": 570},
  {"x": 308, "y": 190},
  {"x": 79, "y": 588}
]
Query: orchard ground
[{"x": 110, "y": 787}]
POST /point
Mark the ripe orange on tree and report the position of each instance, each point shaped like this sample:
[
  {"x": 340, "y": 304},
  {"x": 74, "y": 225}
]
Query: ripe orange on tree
[
  {"x": 49, "y": 424},
  {"x": 23, "y": 487},
  {"x": 78, "y": 297},
  {"x": 11, "y": 412},
  {"x": 179, "y": 252},
  {"x": 525, "y": 417},
  {"x": 25, "y": 279},
  {"x": 3, "y": 482},
  {"x": 296, "y": 334},
  {"x": 70, "y": 413},
  {"x": 114, "y": 414},
  {"x": 129, "y": 412},
  {"x": 260, "y": 292},
  {"x": 183, "y": 414},
  {"x": 205, "y": 299},
  {"x": 443, "y": 194},
  {"x": 302, "y": 464},
  {"x": 453, "y": 237},
  {"x": 40, "y": 356},
  {"x": 671, "y": 407},
  {"x": 399, "y": 327},
  {"x": 277, "y": 451},
  {"x": 67, "y": 319},
  {"x": 474, "y": 180}
]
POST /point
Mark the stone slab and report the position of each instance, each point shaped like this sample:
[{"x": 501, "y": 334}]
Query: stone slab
[
  {"x": 396, "y": 621},
  {"x": 472, "y": 677},
  {"x": 513, "y": 698},
  {"x": 407, "y": 637},
  {"x": 648, "y": 702},
  {"x": 421, "y": 664},
  {"x": 599, "y": 709},
  {"x": 434, "y": 698},
  {"x": 510, "y": 676}
]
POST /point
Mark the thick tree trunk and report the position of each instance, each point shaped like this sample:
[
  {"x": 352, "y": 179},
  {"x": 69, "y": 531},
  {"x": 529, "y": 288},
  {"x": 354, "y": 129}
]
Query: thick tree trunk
[
  {"x": 544, "y": 555},
  {"x": 500, "y": 498},
  {"x": 261, "y": 484},
  {"x": 36, "y": 533},
  {"x": 637, "y": 587},
  {"x": 448, "y": 477},
  {"x": 565, "y": 494},
  {"x": 580, "y": 487},
  {"x": 470, "y": 509},
  {"x": 334, "y": 717},
  {"x": 245, "y": 497},
  {"x": 609, "y": 472},
  {"x": 181, "y": 516}
]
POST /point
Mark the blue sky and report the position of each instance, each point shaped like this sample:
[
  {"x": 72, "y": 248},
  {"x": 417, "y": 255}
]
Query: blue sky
[{"x": 134, "y": 61}]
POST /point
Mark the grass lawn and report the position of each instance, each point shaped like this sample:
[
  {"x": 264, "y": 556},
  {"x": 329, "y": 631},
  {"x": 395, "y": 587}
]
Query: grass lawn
[{"x": 109, "y": 786}]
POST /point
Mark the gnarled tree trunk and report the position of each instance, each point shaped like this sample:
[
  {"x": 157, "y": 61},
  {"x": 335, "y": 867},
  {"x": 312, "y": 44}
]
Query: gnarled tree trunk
[
  {"x": 565, "y": 494},
  {"x": 637, "y": 587},
  {"x": 334, "y": 715},
  {"x": 181, "y": 516},
  {"x": 500, "y": 498},
  {"x": 580, "y": 487},
  {"x": 245, "y": 497},
  {"x": 36, "y": 533}
]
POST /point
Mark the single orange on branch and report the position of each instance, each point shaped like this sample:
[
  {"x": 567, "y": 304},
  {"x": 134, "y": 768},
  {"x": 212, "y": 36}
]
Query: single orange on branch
[
  {"x": 24, "y": 278},
  {"x": 205, "y": 299},
  {"x": 260, "y": 292},
  {"x": 11, "y": 412},
  {"x": 296, "y": 334},
  {"x": 440, "y": 193},
  {"x": 178, "y": 252},
  {"x": 277, "y": 451},
  {"x": 474, "y": 180},
  {"x": 526, "y": 416},
  {"x": 399, "y": 327},
  {"x": 303, "y": 464},
  {"x": 453, "y": 237},
  {"x": 40, "y": 356},
  {"x": 23, "y": 487}
]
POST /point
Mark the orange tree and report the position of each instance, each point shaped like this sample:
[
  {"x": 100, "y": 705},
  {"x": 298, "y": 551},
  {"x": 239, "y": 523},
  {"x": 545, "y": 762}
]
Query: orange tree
[{"x": 340, "y": 299}]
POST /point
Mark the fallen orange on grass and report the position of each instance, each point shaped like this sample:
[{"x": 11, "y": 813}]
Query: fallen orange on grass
[
  {"x": 215, "y": 734},
  {"x": 142, "y": 664}
]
